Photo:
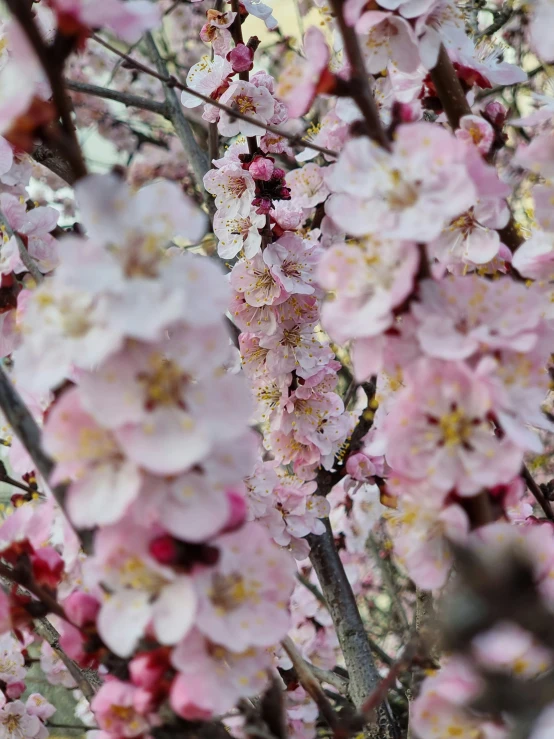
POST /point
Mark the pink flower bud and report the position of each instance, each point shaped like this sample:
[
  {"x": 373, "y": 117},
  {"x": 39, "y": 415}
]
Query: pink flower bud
[
  {"x": 164, "y": 550},
  {"x": 237, "y": 511},
  {"x": 496, "y": 113},
  {"x": 241, "y": 58},
  {"x": 262, "y": 169},
  {"x": 81, "y": 608},
  {"x": 147, "y": 670},
  {"x": 15, "y": 690},
  {"x": 48, "y": 567}
]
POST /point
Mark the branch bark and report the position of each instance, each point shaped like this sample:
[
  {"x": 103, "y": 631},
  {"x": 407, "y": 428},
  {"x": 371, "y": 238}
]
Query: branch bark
[
  {"x": 363, "y": 673},
  {"x": 198, "y": 159},
  {"x": 131, "y": 101},
  {"x": 171, "y": 82},
  {"x": 455, "y": 106},
  {"x": 359, "y": 80},
  {"x": 55, "y": 162},
  {"x": 87, "y": 681}
]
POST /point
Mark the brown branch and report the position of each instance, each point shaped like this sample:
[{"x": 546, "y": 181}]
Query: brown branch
[
  {"x": 197, "y": 158},
  {"x": 49, "y": 58},
  {"x": 310, "y": 683},
  {"x": 535, "y": 490},
  {"x": 449, "y": 89},
  {"x": 87, "y": 681},
  {"x": 359, "y": 80},
  {"x": 27, "y": 431},
  {"x": 55, "y": 162},
  {"x": 455, "y": 106},
  {"x": 363, "y": 673},
  {"x": 131, "y": 101},
  {"x": 173, "y": 82}
]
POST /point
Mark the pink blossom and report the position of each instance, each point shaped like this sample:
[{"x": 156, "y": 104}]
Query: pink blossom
[
  {"x": 535, "y": 257},
  {"x": 462, "y": 315},
  {"x": 243, "y": 599},
  {"x": 105, "y": 483},
  {"x": 212, "y": 678},
  {"x": 206, "y": 77},
  {"x": 292, "y": 261},
  {"x": 189, "y": 506},
  {"x": 409, "y": 193},
  {"x": 507, "y": 647},
  {"x": 541, "y": 19},
  {"x": 307, "y": 185},
  {"x": 369, "y": 277},
  {"x": 233, "y": 189},
  {"x": 17, "y": 723},
  {"x": 38, "y": 706},
  {"x": 439, "y": 429},
  {"x": 216, "y": 32},
  {"x": 300, "y": 76},
  {"x": 238, "y": 233},
  {"x": 254, "y": 102},
  {"x": 387, "y": 38},
  {"x": 421, "y": 529},
  {"x": 481, "y": 63},
  {"x": 294, "y": 346},
  {"x": 476, "y": 130},
  {"x": 113, "y": 708},
  {"x": 241, "y": 57},
  {"x": 255, "y": 280},
  {"x": 54, "y": 669},
  {"x": 127, "y": 20},
  {"x": 261, "y": 10},
  {"x": 143, "y": 592}
]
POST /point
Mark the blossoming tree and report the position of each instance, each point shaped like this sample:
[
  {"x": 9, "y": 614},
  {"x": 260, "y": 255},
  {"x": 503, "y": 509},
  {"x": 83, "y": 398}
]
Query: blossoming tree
[{"x": 275, "y": 387}]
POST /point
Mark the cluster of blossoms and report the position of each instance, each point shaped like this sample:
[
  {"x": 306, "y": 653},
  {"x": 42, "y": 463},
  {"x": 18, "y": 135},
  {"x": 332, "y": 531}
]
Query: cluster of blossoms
[
  {"x": 20, "y": 717},
  {"x": 149, "y": 430},
  {"x": 397, "y": 247}
]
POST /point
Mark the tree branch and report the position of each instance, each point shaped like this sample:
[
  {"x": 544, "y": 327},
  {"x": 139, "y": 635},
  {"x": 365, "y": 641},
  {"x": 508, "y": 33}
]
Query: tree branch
[
  {"x": 131, "y": 101},
  {"x": 49, "y": 58},
  {"x": 364, "y": 676},
  {"x": 310, "y": 683},
  {"x": 53, "y": 161},
  {"x": 197, "y": 158},
  {"x": 533, "y": 488},
  {"x": 87, "y": 681},
  {"x": 359, "y": 80},
  {"x": 172, "y": 82}
]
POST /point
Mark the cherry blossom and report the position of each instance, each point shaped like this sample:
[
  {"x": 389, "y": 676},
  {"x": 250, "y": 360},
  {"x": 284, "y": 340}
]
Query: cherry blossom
[
  {"x": 425, "y": 174},
  {"x": 445, "y": 434}
]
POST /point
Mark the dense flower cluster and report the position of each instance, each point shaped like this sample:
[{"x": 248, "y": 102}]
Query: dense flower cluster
[{"x": 393, "y": 340}]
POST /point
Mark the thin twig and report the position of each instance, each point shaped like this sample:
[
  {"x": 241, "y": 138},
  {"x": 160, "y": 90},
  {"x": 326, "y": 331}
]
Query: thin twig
[
  {"x": 171, "y": 81},
  {"x": 87, "y": 681},
  {"x": 388, "y": 581},
  {"x": 198, "y": 159},
  {"x": 533, "y": 488},
  {"x": 236, "y": 32},
  {"x": 53, "y": 68},
  {"x": 314, "y": 590},
  {"x": 310, "y": 683},
  {"x": 131, "y": 101}
]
